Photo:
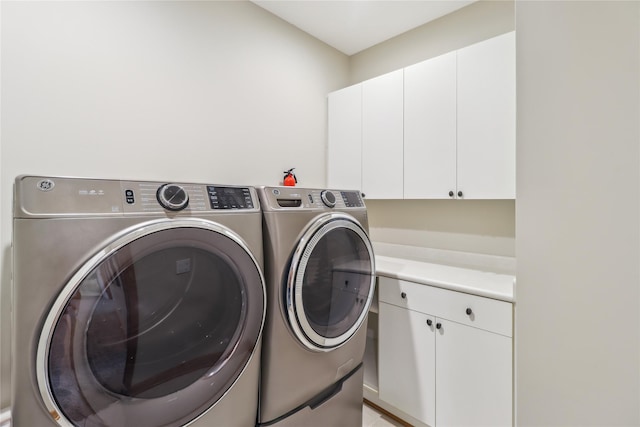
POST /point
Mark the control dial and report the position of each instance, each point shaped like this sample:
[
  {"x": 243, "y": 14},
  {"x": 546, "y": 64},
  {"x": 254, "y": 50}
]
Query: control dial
[
  {"x": 172, "y": 197},
  {"x": 328, "y": 198}
]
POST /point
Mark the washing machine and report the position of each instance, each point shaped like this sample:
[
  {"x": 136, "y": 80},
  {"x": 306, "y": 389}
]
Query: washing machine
[
  {"x": 320, "y": 275},
  {"x": 136, "y": 304}
]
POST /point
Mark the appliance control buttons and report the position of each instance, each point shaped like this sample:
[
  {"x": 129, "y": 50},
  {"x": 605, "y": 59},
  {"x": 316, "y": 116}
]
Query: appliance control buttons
[
  {"x": 172, "y": 197},
  {"x": 328, "y": 198},
  {"x": 128, "y": 194}
]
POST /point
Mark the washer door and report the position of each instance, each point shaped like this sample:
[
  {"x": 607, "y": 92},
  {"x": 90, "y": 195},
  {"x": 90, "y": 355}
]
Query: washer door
[
  {"x": 331, "y": 282},
  {"x": 154, "y": 329}
]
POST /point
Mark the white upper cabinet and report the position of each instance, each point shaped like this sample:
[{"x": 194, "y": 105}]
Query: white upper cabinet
[
  {"x": 344, "y": 156},
  {"x": 442, "y": 128},
  {"x": 382, "y": 136},
  {"x": 486, "y": 119},
  {"x": 430, "y": 128}
]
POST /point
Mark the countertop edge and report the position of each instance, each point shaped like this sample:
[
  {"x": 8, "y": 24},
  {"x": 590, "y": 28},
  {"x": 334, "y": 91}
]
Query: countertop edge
[{"x": 417, "y": 271}]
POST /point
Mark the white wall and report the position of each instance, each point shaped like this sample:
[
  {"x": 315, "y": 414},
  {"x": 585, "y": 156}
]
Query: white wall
[
  {"x": 478, "y": 21},
  {"x": 485, "y": 227},
  {"x": 220, "y": 92},
  {"x": 578, "y": 210},
  {"x": 477, "y": 226}
]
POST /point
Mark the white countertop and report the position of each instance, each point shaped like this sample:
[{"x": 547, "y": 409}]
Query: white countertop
[{"x": 476, "y": 282}]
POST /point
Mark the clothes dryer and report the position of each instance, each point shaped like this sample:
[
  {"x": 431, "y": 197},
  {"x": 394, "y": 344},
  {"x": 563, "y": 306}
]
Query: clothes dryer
[
  {"x": 319, "y": 267},
  {"x": 136, "y": 303}
]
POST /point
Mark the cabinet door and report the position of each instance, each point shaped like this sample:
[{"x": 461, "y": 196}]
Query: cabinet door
[
  {"x": 473, "y": 377},
  {"x": 344, "y": 156},
  {"x": 382, "y": 130},
  {"x": 486, "y": 119},
  {"x": 407, "y": 361},
  {"x": 430, "y": 128}
]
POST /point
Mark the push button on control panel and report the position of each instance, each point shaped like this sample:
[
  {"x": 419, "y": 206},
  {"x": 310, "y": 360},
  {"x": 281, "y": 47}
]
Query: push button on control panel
[{"x": 128, "y": 194}]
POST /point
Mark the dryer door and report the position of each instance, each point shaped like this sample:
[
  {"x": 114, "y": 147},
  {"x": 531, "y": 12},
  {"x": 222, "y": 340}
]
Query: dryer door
[
  {"x": 154, "y": 329},
  {"x": 331, "y": 282}
]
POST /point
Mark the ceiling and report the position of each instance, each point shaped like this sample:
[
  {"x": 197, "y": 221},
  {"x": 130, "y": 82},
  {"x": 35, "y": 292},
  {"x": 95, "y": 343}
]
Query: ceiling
[{"x": 354, "y": 25}]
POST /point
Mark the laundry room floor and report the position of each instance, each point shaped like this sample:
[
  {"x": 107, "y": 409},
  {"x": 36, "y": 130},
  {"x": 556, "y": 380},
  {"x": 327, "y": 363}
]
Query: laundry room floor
[{"x": 371, "y": 417}]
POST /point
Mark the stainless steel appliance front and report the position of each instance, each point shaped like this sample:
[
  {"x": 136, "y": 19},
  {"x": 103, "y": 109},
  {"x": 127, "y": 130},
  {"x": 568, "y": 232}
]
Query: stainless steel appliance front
[
  {"x": 136, "y": 303},
  {"x": 319, "y": 267}
]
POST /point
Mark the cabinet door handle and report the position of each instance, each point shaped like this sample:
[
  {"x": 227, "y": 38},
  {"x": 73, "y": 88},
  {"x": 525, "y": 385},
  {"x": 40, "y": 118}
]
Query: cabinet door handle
[
  {"x": 438, "y": 325},
  {"x": 429, "y": 322},
  {"x": 450, "y": 193},
  {"x": 403, "y": 295},
  {"x": 469, "y": 312},
  {"x": 459, "y": 193}
]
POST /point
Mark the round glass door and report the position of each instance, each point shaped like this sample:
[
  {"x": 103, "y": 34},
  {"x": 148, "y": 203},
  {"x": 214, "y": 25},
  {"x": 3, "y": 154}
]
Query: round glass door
[
  {"x": 331, "y": 282},
  {"x": 154, "y": 329}
]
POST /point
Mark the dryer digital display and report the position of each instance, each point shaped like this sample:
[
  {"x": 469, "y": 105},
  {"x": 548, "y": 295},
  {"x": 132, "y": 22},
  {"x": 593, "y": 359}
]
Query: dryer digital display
[
  {"x": 229, "y": 197},
  {"x": 352, "y": 199}
]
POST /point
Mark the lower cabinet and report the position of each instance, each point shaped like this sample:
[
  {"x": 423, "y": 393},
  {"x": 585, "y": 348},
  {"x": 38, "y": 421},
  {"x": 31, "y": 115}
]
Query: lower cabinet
[
  {"x": 445, "y": 357},
  {"x": 407, "y": 361}
]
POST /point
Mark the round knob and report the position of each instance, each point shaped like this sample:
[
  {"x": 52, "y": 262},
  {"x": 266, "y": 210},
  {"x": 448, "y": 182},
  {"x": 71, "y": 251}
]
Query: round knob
[
  {"x": 172, "y": 197},
  {"x": 328, "y": 198},
  {"x": 429, "y": 322},
  {"x": 459, "y": 193},
  {"x": 403, "y": 295},
  {"x": 438, "y": 325},
  {"x": 450, "y": 193},
  {"x": 469, "y": 312}
]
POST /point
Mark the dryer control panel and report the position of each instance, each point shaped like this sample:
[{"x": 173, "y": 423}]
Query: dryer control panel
[
  {"x": 45, "y": 196},
  {"x": 156, "y": 197}
]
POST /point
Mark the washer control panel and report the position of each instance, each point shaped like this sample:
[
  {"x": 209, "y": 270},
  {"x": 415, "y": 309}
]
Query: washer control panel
[{"x": 301, "y": 198}]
